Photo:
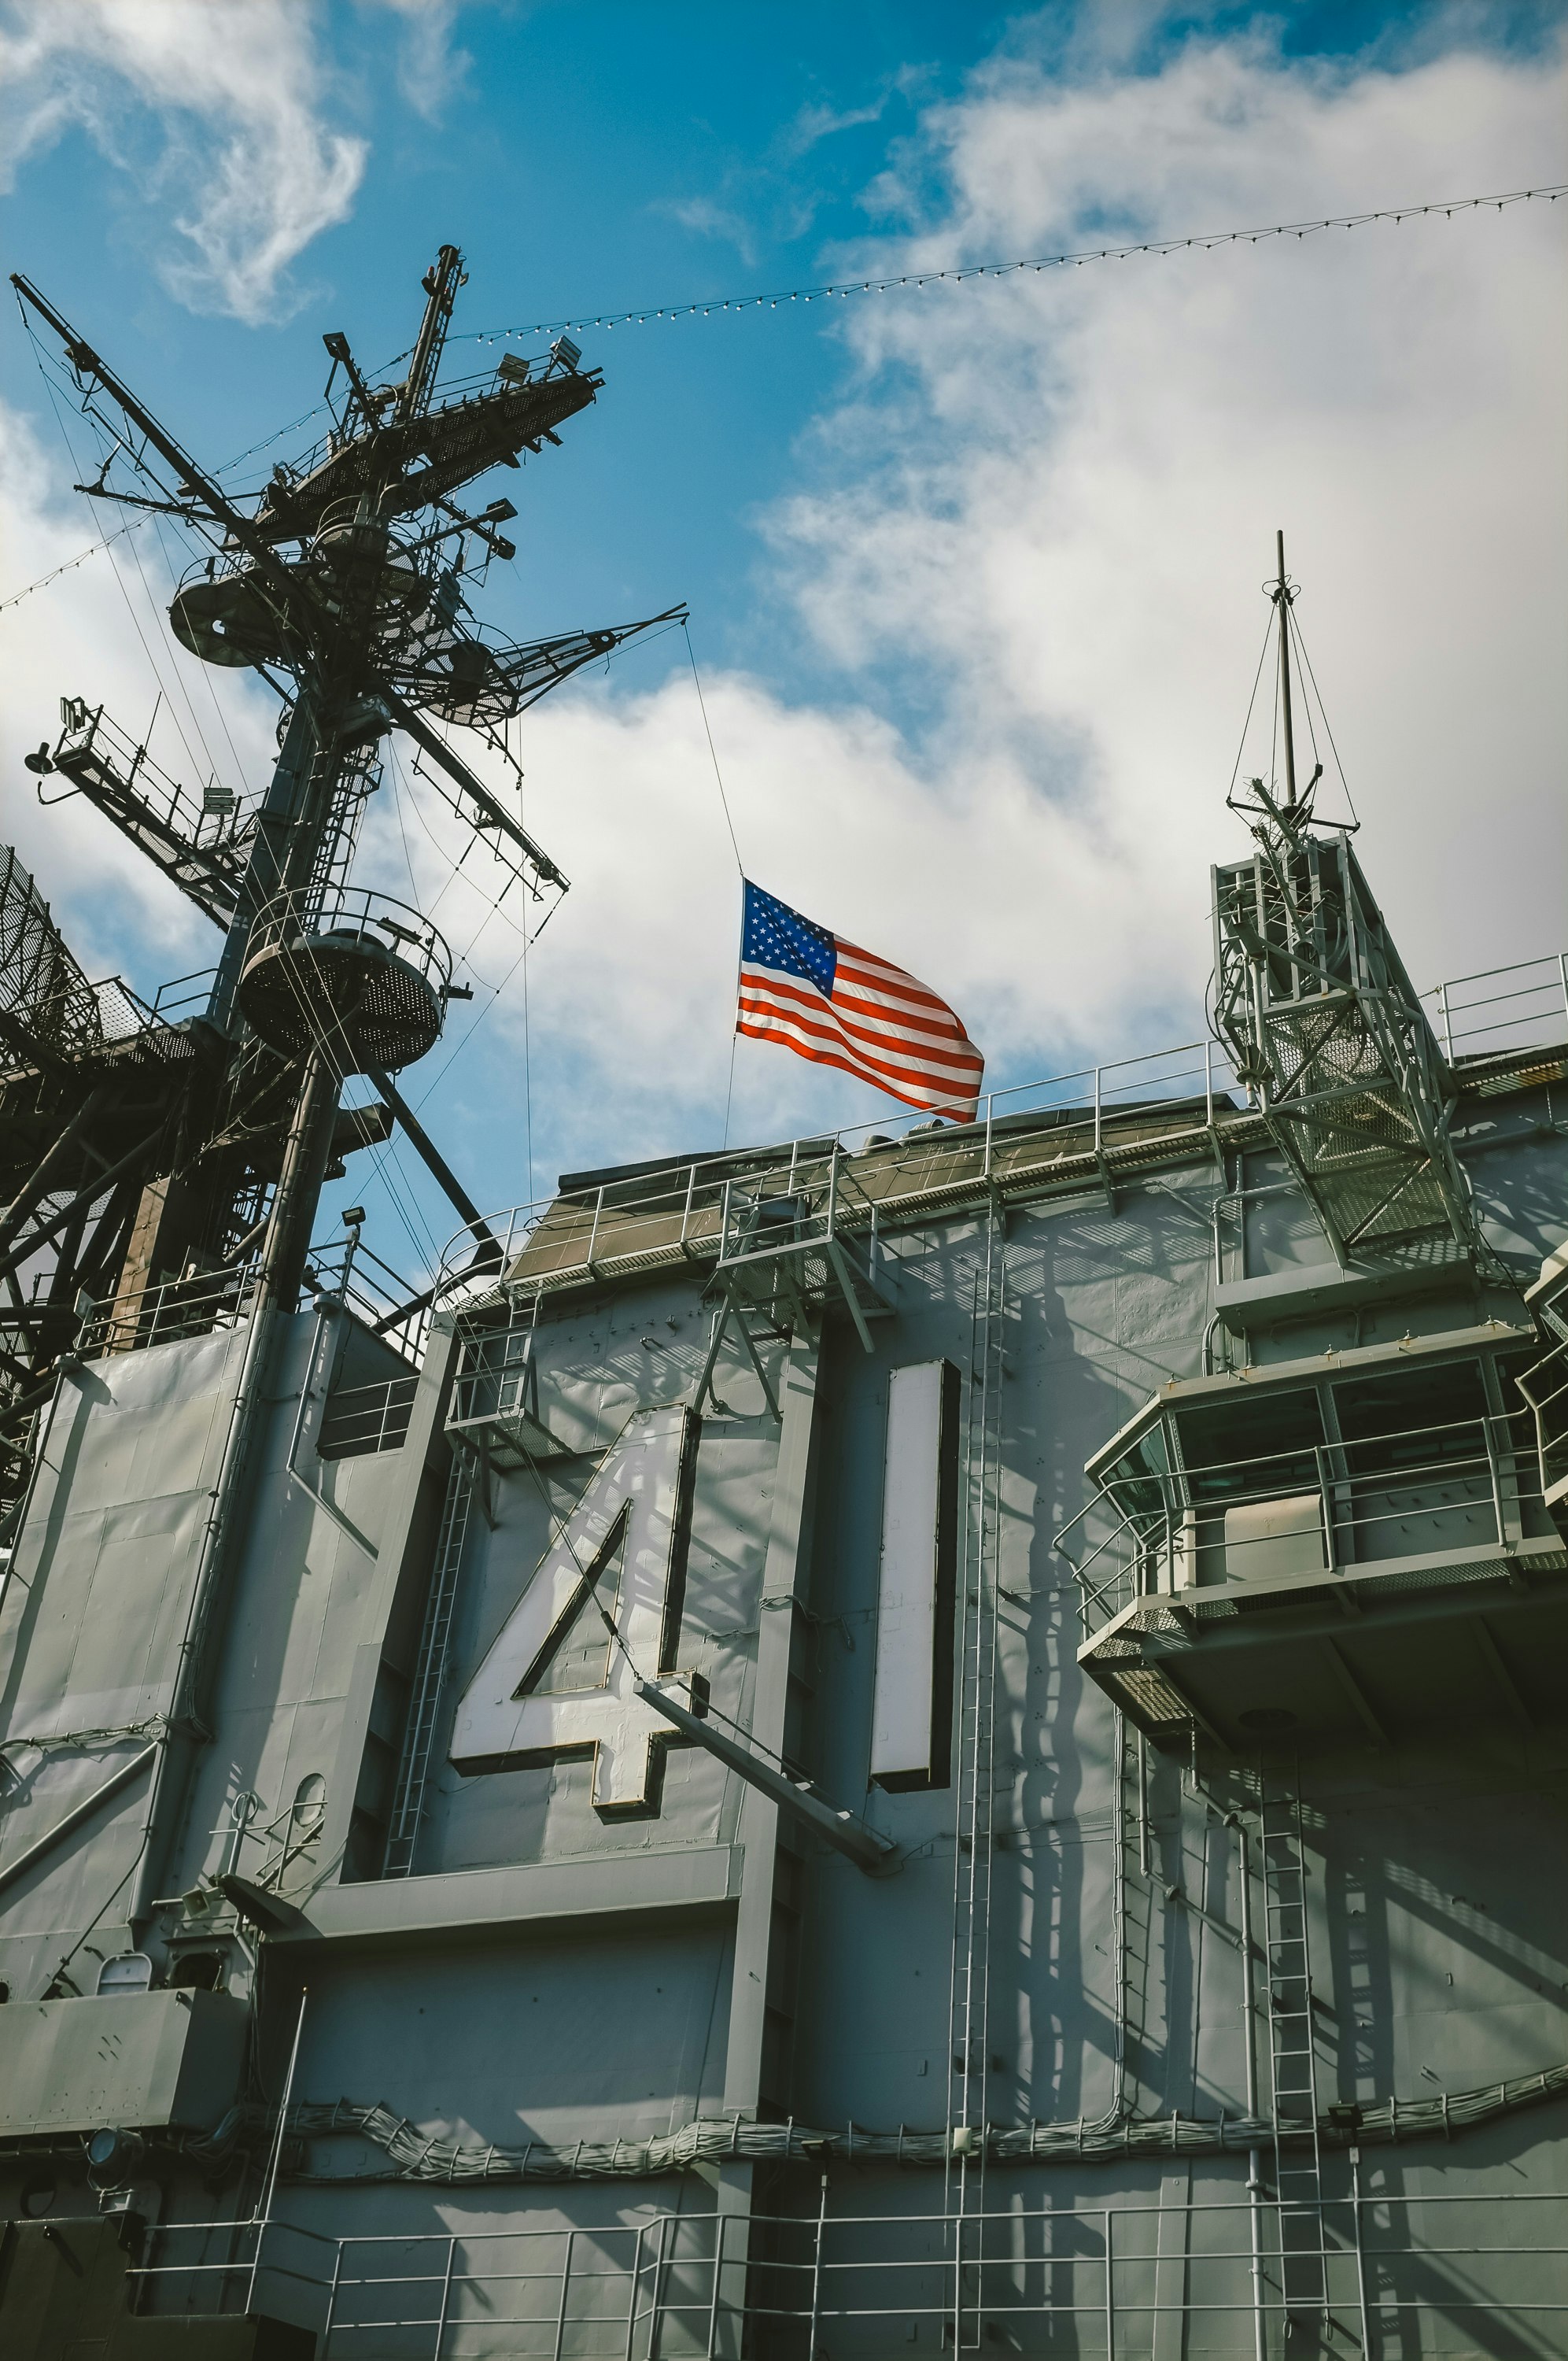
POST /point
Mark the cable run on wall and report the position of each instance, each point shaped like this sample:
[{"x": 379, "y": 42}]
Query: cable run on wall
[{"x": 1202, "y": 242}]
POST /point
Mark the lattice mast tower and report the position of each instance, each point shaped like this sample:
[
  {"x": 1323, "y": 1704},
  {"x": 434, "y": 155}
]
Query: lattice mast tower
[
  {"x": 342, "y": 584},
  {"x": 1327, "y": 1029}
]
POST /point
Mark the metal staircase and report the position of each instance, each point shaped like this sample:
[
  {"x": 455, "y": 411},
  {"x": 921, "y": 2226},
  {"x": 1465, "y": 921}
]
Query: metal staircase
[
  {"x": 1298, "y": 2161},
  {"x": 785, "y": 1255},
  {"x": 970, "y": 2059},
  {"x": 430, "y": 1672},
  {"x": 1545, "y": 1386}
]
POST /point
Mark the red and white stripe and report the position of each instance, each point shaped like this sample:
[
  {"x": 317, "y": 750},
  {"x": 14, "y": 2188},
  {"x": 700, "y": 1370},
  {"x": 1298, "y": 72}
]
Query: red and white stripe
[{"x": 881, "y": 1025}]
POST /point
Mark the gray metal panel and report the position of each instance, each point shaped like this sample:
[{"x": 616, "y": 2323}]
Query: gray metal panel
[
  {"x": 140, "y": 2061},
  {"x": 911, "y": 1702},
  {"x": 468, "y": 1904}
]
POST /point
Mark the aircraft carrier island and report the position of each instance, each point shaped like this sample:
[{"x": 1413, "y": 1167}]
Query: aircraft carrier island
[{"x": 952, "y": 1738}]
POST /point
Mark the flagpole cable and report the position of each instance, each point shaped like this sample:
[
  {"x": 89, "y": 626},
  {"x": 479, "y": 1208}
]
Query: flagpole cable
[
  {"x": 730, "y": 1092},
  {"x": 735, "y": 847},
  {"x": 713, "y": 751}
]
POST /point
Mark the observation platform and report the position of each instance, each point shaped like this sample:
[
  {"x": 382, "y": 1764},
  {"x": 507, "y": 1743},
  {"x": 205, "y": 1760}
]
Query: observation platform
[
  {"x": 352, "y": 973},
  {"x": 1351, "y": 1547}
]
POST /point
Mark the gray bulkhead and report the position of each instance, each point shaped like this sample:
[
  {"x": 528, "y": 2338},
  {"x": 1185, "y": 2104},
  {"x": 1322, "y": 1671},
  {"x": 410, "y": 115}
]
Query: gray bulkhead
[{"x": 547, "y": 1974}]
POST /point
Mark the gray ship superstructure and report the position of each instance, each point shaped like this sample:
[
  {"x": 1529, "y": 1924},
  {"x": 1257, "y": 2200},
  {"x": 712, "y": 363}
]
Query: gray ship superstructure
[{"x": 484, "y": 1772}]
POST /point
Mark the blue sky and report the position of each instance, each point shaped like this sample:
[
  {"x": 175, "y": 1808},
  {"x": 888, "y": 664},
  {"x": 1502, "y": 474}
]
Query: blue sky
[{"x": 974, "y": 585}]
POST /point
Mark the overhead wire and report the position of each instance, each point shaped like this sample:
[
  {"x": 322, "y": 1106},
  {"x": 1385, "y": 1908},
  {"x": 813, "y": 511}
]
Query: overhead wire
[{"x": 642, "y": 314}]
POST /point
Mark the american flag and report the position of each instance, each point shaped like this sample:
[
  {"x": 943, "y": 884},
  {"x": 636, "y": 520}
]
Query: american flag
[{"x": 807, "y": 989}]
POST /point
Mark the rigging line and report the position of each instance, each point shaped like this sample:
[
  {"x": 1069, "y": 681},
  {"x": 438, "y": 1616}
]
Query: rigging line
[
  {"x": 125, "y": 593},
  {"x": 1204, "y": 242},
  {"x": 527, "y": 1070},
  {"x": 478, "y": 1017},
  {"x": 702, "y": 703},
  {"x": 320, "y": 1033},
  {"x": 130, "y": 609},
  {"x": 266, "y": 441},
  {"x": 80, "y": 559},
  {"x": 396, "y": 769},
  {"x": 1252, "y": 700},
  {"x": 455, "y": 871},
  {"x": 317, "y": 410},
  {"x": 1328, "y": 727},
  {"x": 206, "y": 670},
  {"x": 161, "y": 625},
  {"x": 161, "y": 613}
]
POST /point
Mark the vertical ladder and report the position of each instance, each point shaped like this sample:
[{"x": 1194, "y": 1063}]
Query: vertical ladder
[
  {"x": 970, "y": 2026},
  {"x": 1298, "y": 2160},
  {"x": 430, "y": 1672}
]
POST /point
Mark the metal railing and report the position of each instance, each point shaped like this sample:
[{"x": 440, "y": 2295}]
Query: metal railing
[
  {"x": 358, "y": 1420},
  {"x": 394, "y": 1308},
  {"x": 161, "y": 1314},
  {"x": 1473, "y": 1482},
  {"x": 1527, "y": 1009},
  {"x": 184, "y": 995},
  {"x": 304, "y": 921},
  {"x": 1092, "y": 2279},
  {"x": 203, "y": 1301},
  {"x": 1545, "y": 1388},
  {"x": 1070, "y": 1124},
  {"x": 213, "y": 821},
  {"x": 1073, "y": 1126}
]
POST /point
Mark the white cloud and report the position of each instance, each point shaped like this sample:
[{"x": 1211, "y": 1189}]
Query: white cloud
[
  {"x": 1054, "y": 497},
  {"x": 430, "y": 71},
  {"x": 1027, "y": 548},
  {"x": 100, "y": 633},
  {"x": 706, "y": 218},
  {"x": 249, "y": 169},
  {"x": 1044, "y": 518}
]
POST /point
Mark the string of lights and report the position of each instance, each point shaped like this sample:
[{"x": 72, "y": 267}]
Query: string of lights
[
  {"x": 644, "y": 314},
  {"x": 80, "y": 559}
]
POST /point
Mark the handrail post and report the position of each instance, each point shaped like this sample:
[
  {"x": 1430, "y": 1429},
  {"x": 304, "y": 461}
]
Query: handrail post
[
  {"x": 1097, "y": 1110},
  {"x": 1496, "y": 1473},
  {"x": 720, "y": 2222},
  {"x": 1562, "y": 971},
  {"x": 446, "y": 2297},
  {"x": 1110, "y": 2292},
  {"x": 1209, "y": 1085},
  {"x": 1356, "y": 2204},
  {"x": 332, "y": 2298},
  {"x": 1447, "y": 1021},
  {"x": 686, "y": 1211},
  {"x": 1325, "y": 1499},
  {"x": 636, "y": 2269},
  {"x": 816, "y": 2273},
  {"x": 593, "y": 1234},
  {"x": 989, "y": 1105},
  {"x": 561, "y": 2310}
]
